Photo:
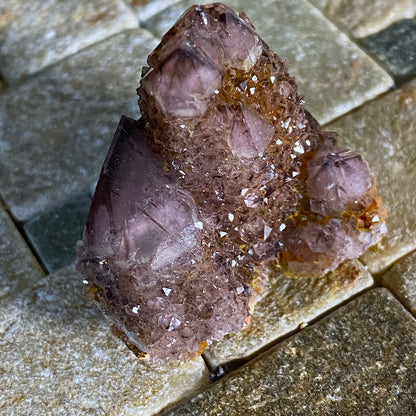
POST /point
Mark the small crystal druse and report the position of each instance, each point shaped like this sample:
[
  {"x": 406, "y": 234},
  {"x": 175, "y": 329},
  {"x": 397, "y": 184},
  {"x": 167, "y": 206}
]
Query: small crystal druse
[{"x": 225, "y": 179}]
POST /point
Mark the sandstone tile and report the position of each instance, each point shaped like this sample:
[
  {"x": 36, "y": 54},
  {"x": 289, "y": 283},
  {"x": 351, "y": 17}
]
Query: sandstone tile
[
  {"x": 333, "y": 73},
  {"x": 401, "y": 280},
  {"x": 54, "y": 233},
  {"x": 361, "y": 18},
  {"x": 395, "y": 48},
  {"x": 18, "y": 267},
  {"x": 62, "y": 122},
  {"x": 383, "y": 131},
  {"x": 288, "y": 304},
  {"x": 38, "y": 33},
  {"x": 57, "y": 356},
  {"x": 148, "y": 8},
  {"x": 359, "y": 360}
]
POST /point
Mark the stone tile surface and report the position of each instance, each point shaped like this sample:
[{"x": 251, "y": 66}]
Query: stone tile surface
[
  {"x": 395, "y": 48},
  {"x": 288, "y": 304},
  {"x": 383, "y": 132},
  {"x": 401, "y": 280},
  {"x": 54, "y": 233},
  {"x": 333, "y": 73},
  {"x": 361, "y": 18},
  {"x": 62, "y": 122},
  {"x": 148, "y": 8},
  {"x": 18, "y": 267},
  {"x": 37, "y": 33},
  {"x": 57, "y": 356},
  {"x": 357, "y": 361}
]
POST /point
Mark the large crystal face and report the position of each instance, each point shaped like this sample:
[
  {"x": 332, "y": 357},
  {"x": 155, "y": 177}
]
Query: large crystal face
[{"x": 225, "y": 179}]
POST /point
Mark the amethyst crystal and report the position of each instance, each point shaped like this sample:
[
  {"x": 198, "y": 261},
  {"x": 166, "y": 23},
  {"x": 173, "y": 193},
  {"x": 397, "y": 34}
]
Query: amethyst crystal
[
  {"x": 143, "y": 255},
  {"x": 225, "y": 178}
]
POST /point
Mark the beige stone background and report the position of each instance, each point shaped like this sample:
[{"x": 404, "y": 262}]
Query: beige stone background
[{"x": 339, "y": 345}]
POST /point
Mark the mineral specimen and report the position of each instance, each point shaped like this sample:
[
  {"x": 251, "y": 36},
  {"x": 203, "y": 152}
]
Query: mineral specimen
[{"x": 225, "y": 179}]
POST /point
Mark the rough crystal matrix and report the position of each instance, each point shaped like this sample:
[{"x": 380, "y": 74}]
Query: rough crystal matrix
[{"x": 225, "y": 179}]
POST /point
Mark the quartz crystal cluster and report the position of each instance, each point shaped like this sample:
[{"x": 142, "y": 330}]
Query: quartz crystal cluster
[{"x": 225, "y": 179}]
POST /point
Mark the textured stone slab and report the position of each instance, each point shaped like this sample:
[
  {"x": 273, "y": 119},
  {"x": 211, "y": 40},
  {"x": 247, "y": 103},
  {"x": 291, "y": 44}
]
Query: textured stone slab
[
  {"x": 64, "y": 137},
  {"x": 332, "y": 72},
  {"x": 359, "y": 360},
  {"x": 383, "y": 132},
  {"x": 58, "y": 357},
  {"x": 35, "y": 34},
  {"x": 54, "y": 233},
  {"x": 18, "y": 267},
  {"x": 401, "y": 280},
  {"x": 395, "y": 48},
  {"x": 148, "y": 8},
  {"x": 364, "y": 17},
  {"x": 288, "y": 304}
]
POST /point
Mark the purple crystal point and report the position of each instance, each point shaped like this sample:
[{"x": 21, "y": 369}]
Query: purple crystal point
[
  {"x": 142, "y": 251},
  {"x": 226, "y": 175},
  {"x": 181, "y": 96},
  {"x": 336, "y": 178},
  {"x": 250, "y": 134}
]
